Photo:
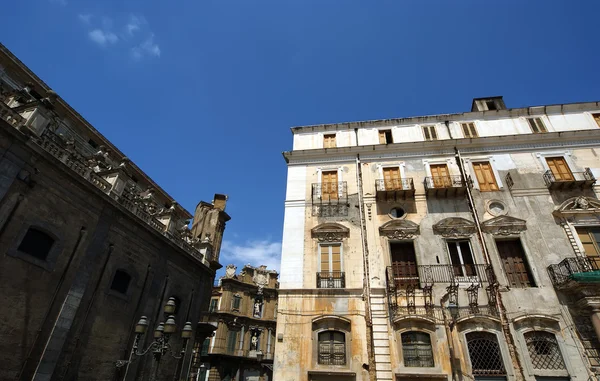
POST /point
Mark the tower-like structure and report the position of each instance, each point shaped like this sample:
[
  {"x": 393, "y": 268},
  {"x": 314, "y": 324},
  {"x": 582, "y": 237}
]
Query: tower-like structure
[{"x": 458, "y": 246}]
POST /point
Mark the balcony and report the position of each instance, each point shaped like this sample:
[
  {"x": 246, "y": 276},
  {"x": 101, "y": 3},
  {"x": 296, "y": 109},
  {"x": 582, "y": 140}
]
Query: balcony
[
  {"x": 335, "y": 279},
  {"x": 394, "y": 189},
  {"x": 574, "y": 270},
  {"x": 416, "y": 276},
  {"x": 445, "y": 186},
  {"x": 330, "y": 193},
  {"x": 583, "y": 179}
]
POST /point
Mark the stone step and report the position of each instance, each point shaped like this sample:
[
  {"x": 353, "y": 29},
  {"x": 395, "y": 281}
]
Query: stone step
[{"x": 383, "y": 375}]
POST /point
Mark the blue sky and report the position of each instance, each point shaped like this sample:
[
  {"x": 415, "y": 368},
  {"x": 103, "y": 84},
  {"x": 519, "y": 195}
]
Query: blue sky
[{"x": 201, "y": 93}]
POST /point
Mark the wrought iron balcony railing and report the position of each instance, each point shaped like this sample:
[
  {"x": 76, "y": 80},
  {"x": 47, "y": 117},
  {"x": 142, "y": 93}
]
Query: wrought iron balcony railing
[
  {"x": 562, "y": 272},
  {"x": 383, "y": 185},
  {"x": 441, "y": 182},
  {"x": 574, "y": 179},
  {"x": 337, "y": 357},
  {"x": 401, "y": 276},
  {"x": 330, "y": 192},
  {"x": 436, "y": 313},
  {"x": 335, "y": 279}
]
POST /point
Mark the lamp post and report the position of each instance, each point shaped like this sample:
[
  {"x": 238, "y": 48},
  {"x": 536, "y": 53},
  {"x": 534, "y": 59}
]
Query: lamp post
[{"x": 160, "y": 345}]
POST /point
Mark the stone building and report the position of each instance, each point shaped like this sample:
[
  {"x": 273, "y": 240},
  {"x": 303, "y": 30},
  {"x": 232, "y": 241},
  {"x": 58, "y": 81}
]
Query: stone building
[
  {"x": 88, "y": 245},
  {"x": 243, "y": 309},
  {"x": 458, "y": 246}
]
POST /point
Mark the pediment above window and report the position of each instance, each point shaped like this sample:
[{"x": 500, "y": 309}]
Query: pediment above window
[
  {"x": 504, "y": 225},
  {"x": 399, "y": 229},
  {"x": 454, "y": 227},
  {"x": 330, "y": 232},
  {"x": 578, "y": 205}
]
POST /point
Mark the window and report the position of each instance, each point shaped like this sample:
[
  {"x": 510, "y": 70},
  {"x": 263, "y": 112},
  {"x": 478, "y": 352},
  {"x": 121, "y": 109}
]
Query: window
[
  {"x": 559, "y": 168},
  {"x": 36, "y": 243},
  {"x": 416, "y": 349},
  {"x": 484, "y": 352},
  {"x": 461, "y": 258},
  {"x": 485, "y": 176},
  {"x": 469, "y": 130},
  {"x": 536, "y": 125},
  {"x": 491, "y": 105},
  {"x": 385, "y": 137},
  {"x": 544, "y": 351},
  {"x": 214, "y": 303},
  {"x": 596, "y": 118},
  {"x": 429, "y": 133},
  {"x": 590, "y": 239},
  {"x": 120, "y": 282},
  {"x": 440, "y": 176},
  {"x": 332, "y": 348},
  {"x": 329, "y": 141},
  {"x": 391, "y": 178},
  {"x": 330, "y": 269},
  {"x": 404, "y": 263},
  {"x": 515, "y": 263},
  {"x": 231, "y": 341},
  {"x": 93, "y": 143},
  {"x": 329, "y": 185},
  {"x": 236, "y": 302},
  {"x": 205, "y": 347}
]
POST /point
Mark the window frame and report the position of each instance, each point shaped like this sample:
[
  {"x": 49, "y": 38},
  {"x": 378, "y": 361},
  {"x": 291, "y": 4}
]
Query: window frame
[
  {"x": 328, "y": 138},
  {"x": 234, "y": 298},
  {"x": 402, "y": 345},
  {"x": 474, "y": 129},
  {"x": 427, "y": 131},
  {"x": 535, "y": 125},
  {"x": 462, "y": 265},
  {"x": 491, "y": 160},
  {"x": 501, "y": 352},
  {"x": 532, "y": 279},
  {"x": 531, "y": 357},
  {"x": 330, "y": 245},
  {"x": 56, "y": 249},
  {"x": 129, "y": 281},
  {"x": 386, "y": 133},
  {"x": 332, "y": 347},
  {"x": 596, "y": 118}
]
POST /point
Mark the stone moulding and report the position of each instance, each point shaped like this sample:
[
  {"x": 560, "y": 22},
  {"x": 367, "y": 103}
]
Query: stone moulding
[
  {"x": 330, "y": 232},
  {"x": 399, "y": 229},
  {"x": 504, "y": 225},
  {"x": 577, "y": 206},
  {"x": 454, "y": 227}
]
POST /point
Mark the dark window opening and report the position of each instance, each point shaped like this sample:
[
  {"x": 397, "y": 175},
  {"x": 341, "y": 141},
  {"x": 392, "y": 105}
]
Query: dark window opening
[
  {"x": 515, "y": 263},
  {"x": 461, "y": 258},
  {"x": 93, "y": 143},
  {"x": 404, "y": 263},
  {"x": 416, "y": 349},
  {"x": 36, "y": 243},
  {"x": 491, "y": 105},
  {"x": 332, "y": 348},
  {"x": 485, "y": 355},
  {"x": 213, "y": 305},
  {"x": 544, "y": 350},
  {"x": 388, "y": 136},
  {"x": 237, "y": 301},
  {"x": 120, "y": 282}
]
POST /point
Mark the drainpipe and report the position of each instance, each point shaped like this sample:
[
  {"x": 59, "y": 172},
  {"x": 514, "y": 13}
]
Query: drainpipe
[
  {"x": 520, "y": 374},
  {"x": 447, "y": 123},
  {"x": 456, "y": 376},
  {"x": 366, "y": 276}
]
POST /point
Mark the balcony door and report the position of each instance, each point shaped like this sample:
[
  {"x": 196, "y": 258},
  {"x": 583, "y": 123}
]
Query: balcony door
[
  {"x": 461, "y": 257},
  {"x": 404, "y": 263},
  {"x": 590, "y": 239},
  {"x": 515, "y": 263},
  {"x": 329, "y": 185},
  {"x": 440, "y": 176},
  {"x": 391, "y": 178},
  {"x": 559, "y": 168}
]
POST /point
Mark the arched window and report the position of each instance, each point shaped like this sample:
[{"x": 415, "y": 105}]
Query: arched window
[
  {"x": 36, "y": 243},
  {"x": 484, "y": 352},
  {"x": 332, "y": 348},
  {"x": 416, "y": 348},
  {"x": 120, "y": 282},
  {"x": 543, "y": 350}
]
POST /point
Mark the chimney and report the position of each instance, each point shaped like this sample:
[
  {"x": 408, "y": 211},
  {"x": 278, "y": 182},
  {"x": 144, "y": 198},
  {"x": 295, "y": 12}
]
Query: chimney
[{"x": 220, "y": 201}]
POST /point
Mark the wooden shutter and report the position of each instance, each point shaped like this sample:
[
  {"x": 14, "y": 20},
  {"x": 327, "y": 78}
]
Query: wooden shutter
[
  {"x": 391, "y": 178},
  {"x": 440, "y": 176},
  {"x": 559, "y": 168},
  {"x": 485, "y": 176},
  {"x": 469, "y": 130},
  {"x": 404, "y": 262},
  {"x": 514, "y": 263},
  {"x": 537, "y": 126},
  {"x": 231, "y": 341},
  {"x": 325, "y": 259},
  {"x": 382, "y": 139},
  {"x": 336, "y": 257},
  {"x": 589, "y": 239},
  {"x": 429, "y": 132},
  {"x": 329, "y": 185},
  {"x": 597, "y": 118},
  {"x": 329, "y": 141}
]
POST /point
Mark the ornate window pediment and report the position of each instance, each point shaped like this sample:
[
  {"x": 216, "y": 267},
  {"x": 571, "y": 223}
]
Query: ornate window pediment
[
  {"x": 330, "y": 232},
  {"x": 454, "y": 227},
  {"x": 504, "y": 225},
  {"x": 399, "y": 229},
  {"x": 576, "y": 206}
]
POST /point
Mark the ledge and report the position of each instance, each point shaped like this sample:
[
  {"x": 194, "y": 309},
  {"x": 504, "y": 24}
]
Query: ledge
[{"x": 331, "y": 373}]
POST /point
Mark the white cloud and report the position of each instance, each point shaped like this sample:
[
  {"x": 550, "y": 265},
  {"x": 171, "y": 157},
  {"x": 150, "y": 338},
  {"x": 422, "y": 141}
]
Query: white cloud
[
  {"x": 148, "y": 47},
  {"x": 103, "y": 37},
  {"x": 134, "y": 24},
  {"x": 256, "y": 253},
  {"x": 85, "y": 18}
]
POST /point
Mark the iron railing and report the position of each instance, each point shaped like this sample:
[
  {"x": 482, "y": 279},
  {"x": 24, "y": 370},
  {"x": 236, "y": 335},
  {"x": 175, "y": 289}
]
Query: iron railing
[
  {"x": 436, "y": 313},
  {"x": 441, "y": 182},
  {"x": 330, "y": 192},
  {"x": 562, "y": 272},
  {"x": 334, "y": 279},
  {"x": 510, "y": 183},
  {"x": 383, "y": 185},
  {"x": 332, "y": 357},
  {"x": 403, "y": 275},
  {"x": 577, "y": 177}
]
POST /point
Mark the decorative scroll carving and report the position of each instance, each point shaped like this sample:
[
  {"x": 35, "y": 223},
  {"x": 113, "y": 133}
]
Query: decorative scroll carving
[
  {"x": 399, "y": 229},
  {"x": 330, "y": 232},
  {"x": 261, "y": 278},
  {"x": 578, "y": 205},
  {"x": 230, "y": 271},
  {"x": 454, "y": 227},
  {"x": 504, "y": 225}
]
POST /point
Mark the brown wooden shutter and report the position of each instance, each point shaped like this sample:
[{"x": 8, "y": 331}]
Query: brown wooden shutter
[
  {"x": 597, "y": 119},
  {"x": 391, "y": 178},
  {"x": 382, "y": 139},
  {"x": 469, "y": 130},
  {"x": 329, "y": 141},
  {"x": 325, "y": 259},
  {"x": 329, "y": 185},
  {"x": 559, "y": 168},
  {"x": 440, "y": 175},
  {"x": 537, "y": 126},
  {"x": 514, "y": 263},
  {"x": 485, "y": 176},
  {"x": 336, "y": 258},
  {"x": 426, "y": 133},
  {"x": 587, "y": 236}
]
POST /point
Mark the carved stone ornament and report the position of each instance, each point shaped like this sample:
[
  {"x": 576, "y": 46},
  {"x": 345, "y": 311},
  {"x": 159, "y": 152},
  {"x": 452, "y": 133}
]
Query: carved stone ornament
[
  {"x": 330, "y": 232},
  {"x": 578, "y": 205},
  {"x": 504, "y": 225},
  {"x": 230, "y": 271},
  {"x": 454, "y": 227},
  {"x": 399, "y": 229},
  {"x": 261, "y": 278}
]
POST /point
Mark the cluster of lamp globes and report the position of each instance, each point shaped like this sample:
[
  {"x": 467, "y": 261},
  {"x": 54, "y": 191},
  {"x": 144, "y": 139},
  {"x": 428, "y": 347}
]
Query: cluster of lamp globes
[{"x": 165, "y": 328}]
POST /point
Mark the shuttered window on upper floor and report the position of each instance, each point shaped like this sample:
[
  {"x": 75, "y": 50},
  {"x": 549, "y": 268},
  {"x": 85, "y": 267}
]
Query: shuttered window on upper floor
[
  {"x": 329, "y": 141},
  {"x": 597, "y": 118},
  {"x": 537, "y": 126},
  {"x": 385, "y": 137},
  {"x": 429, "y": 132},
  {"x": 469, "y": 130},
  {"x": 485, "y": 176}
]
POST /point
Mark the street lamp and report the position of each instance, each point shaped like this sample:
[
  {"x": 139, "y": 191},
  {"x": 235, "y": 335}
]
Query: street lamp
[{"x": 160, "y": 345}]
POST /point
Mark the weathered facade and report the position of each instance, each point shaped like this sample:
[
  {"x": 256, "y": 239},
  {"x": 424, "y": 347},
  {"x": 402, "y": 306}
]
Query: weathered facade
[
  {"x": 88, "y": 245},
  {"x": 243, "y": 309},
  {"x": 459, "y": 246}
]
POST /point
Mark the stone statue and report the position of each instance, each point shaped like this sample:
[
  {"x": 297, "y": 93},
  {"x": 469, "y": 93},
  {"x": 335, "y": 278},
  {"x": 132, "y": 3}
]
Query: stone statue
[
  {"x": 257, "y": 308},
  {"x": 254, "y": 342}
]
